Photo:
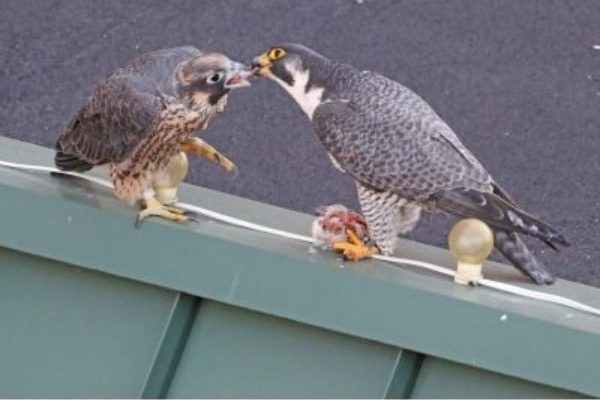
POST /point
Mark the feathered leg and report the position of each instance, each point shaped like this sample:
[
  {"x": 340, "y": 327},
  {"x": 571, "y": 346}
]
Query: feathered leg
[{"x": 387, "y": 215}]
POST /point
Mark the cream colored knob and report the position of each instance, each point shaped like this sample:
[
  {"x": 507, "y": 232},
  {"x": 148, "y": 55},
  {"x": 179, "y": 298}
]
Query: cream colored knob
[
  {"x": 470, "y": 241},
  {"x": 166, "y": 184}
]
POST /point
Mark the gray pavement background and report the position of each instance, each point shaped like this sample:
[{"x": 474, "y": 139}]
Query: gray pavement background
[{"x": 519, "y": 81}]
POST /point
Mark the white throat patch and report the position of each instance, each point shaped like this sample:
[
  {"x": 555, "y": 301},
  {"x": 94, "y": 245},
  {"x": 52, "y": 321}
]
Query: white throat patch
[{"x": 308, "y": 101}]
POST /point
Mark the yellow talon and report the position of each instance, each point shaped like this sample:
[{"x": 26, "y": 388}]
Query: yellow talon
[
  {"x": 354, "y": 249},
  {"x": 353, "y": 237},
  {"x": 153, "y": 208},
  {"x": 200, "y": 147},
  {"x": 175, "y": 210}
]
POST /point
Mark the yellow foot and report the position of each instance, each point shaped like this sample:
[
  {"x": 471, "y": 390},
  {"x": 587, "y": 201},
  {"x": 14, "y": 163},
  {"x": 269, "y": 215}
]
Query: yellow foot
[
  {"x": 175, "y": 210},
  {"x": 153, "y": 208},
  {"x": 200, "y": 147},
  {"x": 354, "y": 249}
]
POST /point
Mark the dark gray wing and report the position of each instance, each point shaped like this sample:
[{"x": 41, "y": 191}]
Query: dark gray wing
[
  {"x": 416, "y": 156},
  {"x": 392, "y": 150},
  {"x": 121, "y": 113}
]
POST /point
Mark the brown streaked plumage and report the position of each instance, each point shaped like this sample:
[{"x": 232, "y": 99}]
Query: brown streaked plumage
[{"x": 139, "y": 117}]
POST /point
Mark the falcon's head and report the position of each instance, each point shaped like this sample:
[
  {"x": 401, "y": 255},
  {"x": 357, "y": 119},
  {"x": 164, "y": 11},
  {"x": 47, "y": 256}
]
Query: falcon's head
[
  {"x": 210, "y": 76},
  {"x": 302, "y": 72}
]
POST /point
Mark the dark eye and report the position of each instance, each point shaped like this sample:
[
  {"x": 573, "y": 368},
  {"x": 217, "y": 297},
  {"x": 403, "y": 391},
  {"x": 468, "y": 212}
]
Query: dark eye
[
  {"x": 215, "y": 78},
  {"x": 276, "y": 53}
]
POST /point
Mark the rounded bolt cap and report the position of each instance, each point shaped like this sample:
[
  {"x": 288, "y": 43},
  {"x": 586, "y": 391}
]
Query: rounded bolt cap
[{"x": 471, "y": 241}]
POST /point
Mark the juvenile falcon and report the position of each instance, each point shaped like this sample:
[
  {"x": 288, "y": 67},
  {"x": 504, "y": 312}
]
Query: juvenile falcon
[
  {"x": 403, "y": 156},
  {"x": 144, "y": 114}
]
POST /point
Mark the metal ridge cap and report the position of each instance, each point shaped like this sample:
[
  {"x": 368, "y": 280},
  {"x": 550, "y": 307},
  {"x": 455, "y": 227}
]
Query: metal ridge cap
[{"x": 77, "y": 224}]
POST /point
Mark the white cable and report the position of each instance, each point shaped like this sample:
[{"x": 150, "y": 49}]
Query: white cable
[
  {"x": 39, "y": 168},
  {"x": 534, "y": 294},
  {"x": 244, "y": 224},
  {"x": 503, "y": 287},
  {"x": 420, "y": 264}
]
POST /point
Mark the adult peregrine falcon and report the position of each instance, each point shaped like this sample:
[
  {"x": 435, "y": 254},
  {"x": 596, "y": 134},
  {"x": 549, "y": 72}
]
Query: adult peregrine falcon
[
  {"x": 144, "y": 114},
  {"x": 403, "y": 156}
]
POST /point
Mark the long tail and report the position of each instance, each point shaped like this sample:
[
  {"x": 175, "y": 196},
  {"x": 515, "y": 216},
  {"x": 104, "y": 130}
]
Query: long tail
[
  {"x": 499, "y": 213},
  {"x": 514, "y": 249},
  {"x": 70, "y": 162}
]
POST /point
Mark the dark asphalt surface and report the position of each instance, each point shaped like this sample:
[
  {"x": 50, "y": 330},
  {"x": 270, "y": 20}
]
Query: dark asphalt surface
[{"x": 519, "y": 81}]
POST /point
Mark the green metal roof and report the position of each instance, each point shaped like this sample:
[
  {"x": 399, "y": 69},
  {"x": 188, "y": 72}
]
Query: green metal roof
[{"x": 79, "y": 223}]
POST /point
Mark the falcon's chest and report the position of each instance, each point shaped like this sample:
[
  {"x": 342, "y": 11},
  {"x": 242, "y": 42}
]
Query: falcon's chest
[
  {"x": 182, "y": 120},
  {"x": 202, "y": 106}
]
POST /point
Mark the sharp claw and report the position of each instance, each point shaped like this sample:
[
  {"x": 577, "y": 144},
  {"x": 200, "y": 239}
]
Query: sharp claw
[
  {"x": 189, "y": 215},
  {"x": 354, "y": 252},
  {"x": 139, "y": 219},
  {"x": 203, "y": 149},
  {"x": 154, "y": 208},
  {"x": 182, "y": 211},
  {"x": 225, "y": 163},
  {"x": 353, "y": 237},
  {"x": 352, "y": 255},
  {"x": 234, "y": 171},
  {"x": 340, "y": 247},
  {"x": 175, "y": 210},
  {"x": 192, "y": 215}
]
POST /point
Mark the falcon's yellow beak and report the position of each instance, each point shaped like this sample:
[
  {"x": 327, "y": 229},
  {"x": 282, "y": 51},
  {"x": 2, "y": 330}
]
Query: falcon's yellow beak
[{"x": 261, "y": 64}]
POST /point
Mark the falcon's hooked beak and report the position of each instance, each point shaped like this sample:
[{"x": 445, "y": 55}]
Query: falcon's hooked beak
[
  {"x": 261, "y": 65},
  {"x": 237, "y": 76},
  {"x": 275, "y": 64}
]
